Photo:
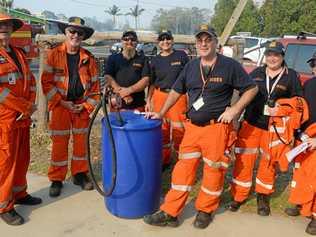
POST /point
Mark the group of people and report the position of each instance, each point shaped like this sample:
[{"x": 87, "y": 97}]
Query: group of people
[{"x": 193, "y": 99}]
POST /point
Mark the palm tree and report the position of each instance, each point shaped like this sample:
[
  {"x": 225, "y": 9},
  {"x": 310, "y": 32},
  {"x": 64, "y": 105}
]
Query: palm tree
[
  {"x": 6, "y": 3},
  {"x": 136, "y": 12},
  {"x": 114, "y": 12}
]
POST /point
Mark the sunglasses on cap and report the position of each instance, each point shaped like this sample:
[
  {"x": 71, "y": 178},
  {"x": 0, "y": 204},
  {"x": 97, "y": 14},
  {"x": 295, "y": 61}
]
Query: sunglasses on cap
[
  {"x": 164, "y": 37},
  {"x": 74, "y": 31},
  {"x": 129, "y": 38}
]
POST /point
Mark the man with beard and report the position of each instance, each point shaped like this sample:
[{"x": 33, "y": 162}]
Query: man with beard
[{"x": 128, "y": 73}]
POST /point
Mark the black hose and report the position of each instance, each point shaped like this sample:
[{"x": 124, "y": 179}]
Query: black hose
[{"x": 104, "y": 193}]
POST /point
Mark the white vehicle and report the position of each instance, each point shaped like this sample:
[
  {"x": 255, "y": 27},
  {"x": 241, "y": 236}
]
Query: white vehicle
[{"x": 252, "y": 50}]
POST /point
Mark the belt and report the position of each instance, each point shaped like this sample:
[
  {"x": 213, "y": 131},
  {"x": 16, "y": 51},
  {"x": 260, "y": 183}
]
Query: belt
[
  {"x": 163, "y": 90},
  {"x": 203, "y": 124}
]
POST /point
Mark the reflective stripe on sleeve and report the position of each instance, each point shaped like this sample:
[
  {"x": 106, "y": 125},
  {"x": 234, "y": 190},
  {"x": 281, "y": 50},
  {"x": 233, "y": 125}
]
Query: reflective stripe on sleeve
[
  {"x": 183, "y": 188},
  {"x": 51, "y": 93},
  {"x": 190, "y": 155}
]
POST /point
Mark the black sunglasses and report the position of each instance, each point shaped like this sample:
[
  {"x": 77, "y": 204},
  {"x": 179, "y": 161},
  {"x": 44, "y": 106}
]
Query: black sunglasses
[
  {"x": 128, "y": 38},
  {"x": 74, "y": 31},
  {"x": 165, "y": 37}
]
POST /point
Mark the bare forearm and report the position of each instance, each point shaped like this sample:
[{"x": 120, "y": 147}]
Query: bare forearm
[
  {"x": 245, "y": 99},
  {"x": 171, "y": 100},
  {"x": 111, "y": 82},
  {"x": 140, "y": 85},
  {"x": 150, "y": 92}
]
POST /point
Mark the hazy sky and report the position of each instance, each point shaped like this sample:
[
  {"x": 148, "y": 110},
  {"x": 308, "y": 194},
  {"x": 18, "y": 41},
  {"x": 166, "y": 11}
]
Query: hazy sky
[{"x": 96, "y": 7}]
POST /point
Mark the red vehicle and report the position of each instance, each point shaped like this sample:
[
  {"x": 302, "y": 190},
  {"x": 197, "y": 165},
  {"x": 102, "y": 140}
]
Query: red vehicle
[
  {"x": 23, "y": 38},
  {"x": 298, "y": 49}
]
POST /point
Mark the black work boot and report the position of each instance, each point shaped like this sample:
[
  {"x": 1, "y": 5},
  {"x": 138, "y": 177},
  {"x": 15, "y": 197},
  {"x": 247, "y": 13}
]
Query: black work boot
[
  {"x": 293, "y": 211},
  {"x": 12, "y": 217},
  {"x": 161, "y": 218},
  {"x": 234, "y": 206},
  {"x": 311, "y": 227},
  {"x": 55, "y": 188},
  {"x": 263, "y": 204},
  {"x": 29, "y": 200},
  {"x": 202, "y": 219},
  {"x": 83, "y": 181}
]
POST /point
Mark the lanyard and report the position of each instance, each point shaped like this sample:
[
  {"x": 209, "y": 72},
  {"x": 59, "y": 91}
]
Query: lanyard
[
  {"x": 274, "y": 84},
  {"x": 202, "y": 74}
]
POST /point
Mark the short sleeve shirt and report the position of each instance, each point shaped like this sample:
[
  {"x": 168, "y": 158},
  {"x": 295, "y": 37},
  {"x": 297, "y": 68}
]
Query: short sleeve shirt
[
  {"x": 166, "y": 69},
  {"x": 227, "y": 75},
  {"x": 288, "y": 86},
  {"x": 128, "y": 72}
]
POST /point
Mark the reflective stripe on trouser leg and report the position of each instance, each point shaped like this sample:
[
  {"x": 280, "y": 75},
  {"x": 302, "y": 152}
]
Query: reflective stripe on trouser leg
[
  {"x": 183, "y": 176},
  {"x": 265, "y": 177},
  {"x": 23, "y": 155},
  {"x": 79, "y": 162},
  {"x": 60, "y": 125}
]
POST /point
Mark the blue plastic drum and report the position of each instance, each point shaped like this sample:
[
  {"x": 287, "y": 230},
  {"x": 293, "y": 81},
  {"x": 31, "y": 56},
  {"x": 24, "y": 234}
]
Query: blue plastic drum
[{"x": 139, "y": 153}]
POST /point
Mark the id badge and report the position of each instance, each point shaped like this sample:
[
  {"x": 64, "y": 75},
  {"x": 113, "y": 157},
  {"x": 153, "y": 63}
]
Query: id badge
[
  {"x": 198, "y": 103},
  {"x": 266, "y": 110},
  {"x": 12, "y": 80}
]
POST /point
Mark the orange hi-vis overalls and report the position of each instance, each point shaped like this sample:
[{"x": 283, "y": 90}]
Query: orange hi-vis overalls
[
  {"x": 172, "y": 125},
  {"x": 55, "y": 79},
  {"x": 17, "y": 96},
  {"x": 303, "y": 185},
  {"x": 199, "y": 143},
  {"x": 252, "y": 140}
]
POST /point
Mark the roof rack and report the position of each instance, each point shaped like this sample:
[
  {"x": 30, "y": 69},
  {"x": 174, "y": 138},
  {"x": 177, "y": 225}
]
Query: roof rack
[{"x": 301, "y": 35}]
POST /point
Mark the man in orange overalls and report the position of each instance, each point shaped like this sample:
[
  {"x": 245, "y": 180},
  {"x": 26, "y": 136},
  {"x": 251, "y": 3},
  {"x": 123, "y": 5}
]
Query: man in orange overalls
[
  {"x": 209, "y": 82},
  {"x": 70, "y": 83},
  {"x": 17, "y": 98}
]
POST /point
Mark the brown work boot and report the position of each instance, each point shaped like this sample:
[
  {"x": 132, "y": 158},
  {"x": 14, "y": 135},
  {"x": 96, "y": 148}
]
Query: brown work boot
[
  {"x": 311, "y": 227},
  {"x": 83, "y": 181},
  {"x": 12, "y": 217},
  {"x": 263, "y": 204},
  {"x": 29, "y": 200},
  {"x": 293, "y": 211},
  {"x": 202, "y": 219},
  {"x": 161, "y": 218},
  {"x": 234, "y": 206}
]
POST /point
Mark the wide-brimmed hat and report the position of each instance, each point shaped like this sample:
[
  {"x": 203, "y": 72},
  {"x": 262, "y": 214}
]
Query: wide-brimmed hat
[
  {"x": 312, "y": 58},
  {"x": 78, "y": 23},
  {"x": 276, "y": 47},
  {"x": 207, "y": 30},
  {"x": 16, "y": 23}
]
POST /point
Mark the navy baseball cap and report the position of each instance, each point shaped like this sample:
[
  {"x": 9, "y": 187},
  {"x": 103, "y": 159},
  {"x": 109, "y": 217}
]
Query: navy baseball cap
[
  {"x": 207, "y": 30},
  {"x": 165, "y": 33},
  {"x": 312, "y": 58},
  {"x": 129, "y": 33},
  {"x": 276, "y": 47}
]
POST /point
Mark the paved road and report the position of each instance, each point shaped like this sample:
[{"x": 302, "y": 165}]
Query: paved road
[{"x": 78, "y": 213}]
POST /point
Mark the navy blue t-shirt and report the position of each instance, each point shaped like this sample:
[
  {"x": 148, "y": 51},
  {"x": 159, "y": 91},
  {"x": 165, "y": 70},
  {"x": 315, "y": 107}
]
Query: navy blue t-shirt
[
  {"x": 226, "y": 76},
  {"x": 310, "y": 97},
  {"x": 128, "y": 72},
  {"x": 166, "y": 69},
  {"x": 288, "y": 86}
]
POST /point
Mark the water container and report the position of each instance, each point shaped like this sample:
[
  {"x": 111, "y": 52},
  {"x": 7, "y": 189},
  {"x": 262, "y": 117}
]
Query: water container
[{"x": 139, "y": 154}]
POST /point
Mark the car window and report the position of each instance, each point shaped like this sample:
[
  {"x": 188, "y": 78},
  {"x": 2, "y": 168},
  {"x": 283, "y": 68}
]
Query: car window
[
  {"x": 296, "y": 56},
  {"x": 251, "y": 42}
]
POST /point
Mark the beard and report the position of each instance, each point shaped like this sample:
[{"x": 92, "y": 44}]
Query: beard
[{"x": 129, "y": 52}]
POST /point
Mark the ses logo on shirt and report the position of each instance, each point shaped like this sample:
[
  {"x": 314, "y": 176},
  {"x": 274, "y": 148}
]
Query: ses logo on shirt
[
  {"x": 177, "y": 63},
  {"x": 138, "y": 65},
  {"x": 216, "y": 79}
]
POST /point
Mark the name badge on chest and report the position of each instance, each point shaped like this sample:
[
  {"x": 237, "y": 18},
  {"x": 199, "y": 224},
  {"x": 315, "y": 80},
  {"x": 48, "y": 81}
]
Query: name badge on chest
[
  {"x": 266, "y": 110},
  {"x": 11, "y": 79},
  {"x": 198, "y": 103}
]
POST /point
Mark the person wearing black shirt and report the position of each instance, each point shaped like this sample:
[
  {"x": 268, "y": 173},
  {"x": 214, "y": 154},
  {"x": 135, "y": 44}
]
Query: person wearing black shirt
[
  {"x": 128, "y": 73},
  {"x": 275, "y": 81},
  {"x": 165, "y": 69},
  {"x": 209, "y": 82}
]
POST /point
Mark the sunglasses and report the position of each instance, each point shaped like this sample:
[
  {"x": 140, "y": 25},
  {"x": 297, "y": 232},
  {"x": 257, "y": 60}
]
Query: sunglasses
[
  {"x": 128, "y": 38},
  {"x": 164, "y": 37},
  {"x": 74, "y": 31},
  {"x": 208, "y": 40}
]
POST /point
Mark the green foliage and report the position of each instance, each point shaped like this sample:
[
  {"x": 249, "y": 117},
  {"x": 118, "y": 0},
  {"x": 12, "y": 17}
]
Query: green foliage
[
  {"x": 136, "y": 12},
  {"x": 23, "y": 10},
  {"x": 179, "y": 20}
]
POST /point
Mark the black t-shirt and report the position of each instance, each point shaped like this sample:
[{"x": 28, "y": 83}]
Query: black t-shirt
[
  {"x": 226, "y": 76},
  {"x": 75, "y": 87},
  {"x": 128, "y": 72},
  {"x": 288, "y": 86},
  {"x": 166, "y": 69},
  {"x": 310, "y": 97}
]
